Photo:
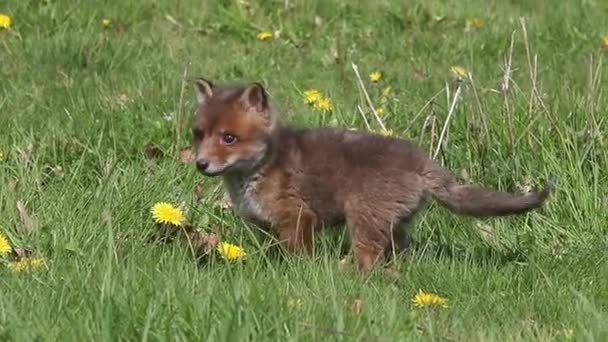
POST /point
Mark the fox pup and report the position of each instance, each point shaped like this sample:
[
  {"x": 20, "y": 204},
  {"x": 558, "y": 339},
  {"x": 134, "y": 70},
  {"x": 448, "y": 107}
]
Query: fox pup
[{"x": 298, "y": 180}]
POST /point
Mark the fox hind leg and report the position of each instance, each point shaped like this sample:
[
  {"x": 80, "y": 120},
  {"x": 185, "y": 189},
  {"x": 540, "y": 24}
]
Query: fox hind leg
[{"x": 370, "y": 237}]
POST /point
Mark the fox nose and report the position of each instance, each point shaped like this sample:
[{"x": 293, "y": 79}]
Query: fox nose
[{"x": 202, "y": 164}]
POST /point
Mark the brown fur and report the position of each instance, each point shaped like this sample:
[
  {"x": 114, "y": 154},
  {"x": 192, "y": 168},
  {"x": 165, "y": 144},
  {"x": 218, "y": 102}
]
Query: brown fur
[{"x": 298, "y": 180}]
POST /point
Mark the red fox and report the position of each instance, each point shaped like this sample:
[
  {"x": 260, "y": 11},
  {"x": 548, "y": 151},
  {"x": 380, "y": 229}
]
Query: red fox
[{"x": 298, "y": 180}]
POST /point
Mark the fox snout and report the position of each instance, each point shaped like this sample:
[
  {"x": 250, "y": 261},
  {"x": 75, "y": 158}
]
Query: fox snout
[
  {"x": 209, "y": 167},
  {"x": 202, "y": 165}
]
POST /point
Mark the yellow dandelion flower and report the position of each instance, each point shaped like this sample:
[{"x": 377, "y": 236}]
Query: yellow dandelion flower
[
  {"x": 1, "y": 156},
  {"x": 425, "y": 299},
  {"x": 324, "y": 104},
  {"x": 230, "y": 251},
  {"x": 5, "y": 21},
  {"x": 385, "y": 133},
  {"x": 473, "y": 23},
  {"x": 264, "y": 35},
  {"x": 459, "y": 72},
  {"x": 106, "y": 22},
  {"x": 25, "y": 264},
  {"x": 5, "y": 246},
  {"x": 375, "y": 76},
  {"x": 380, "y": 111},
  {"x": 604, "y": 41},
  {"x": 163, "y": 212},
  {"x": 387, "y": 92},
  {"x": 295, "y": 302},
  {"x": 312, "y": 95}
]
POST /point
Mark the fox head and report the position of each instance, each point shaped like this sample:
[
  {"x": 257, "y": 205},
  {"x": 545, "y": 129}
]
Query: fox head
[{"x": 232, "y": 127}]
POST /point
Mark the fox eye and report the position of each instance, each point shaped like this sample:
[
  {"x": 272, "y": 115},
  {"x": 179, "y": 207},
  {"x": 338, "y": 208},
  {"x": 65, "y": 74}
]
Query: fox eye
[
  {"x": 198, "y": 133},
  {"x": 229, "y": 139}
]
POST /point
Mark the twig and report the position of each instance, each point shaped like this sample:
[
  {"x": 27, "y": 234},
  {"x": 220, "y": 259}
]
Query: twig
[
  {"x": 507, "y": 73},
  {"x": 506, "y": 87},
  {"x": 447, "y": 120},
  {"x": 364, "y": 118},
  {"x": 433, "y": 133},
  {"x": 178, "y": 116},
  {"x": 522, "y": 22},
  {"x": 369, "y": 101},
  {"x": 482, "y": 113},
  {"x": 594, "y": 82},
  {"x": 447, "y": 93},
  {"x": 533, "y": 70},
  {"x": 428, "y": 103},
  {"x": 424, "y": 127}
]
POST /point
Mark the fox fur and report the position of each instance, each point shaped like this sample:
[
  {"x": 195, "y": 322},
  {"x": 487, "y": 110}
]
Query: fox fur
[{"x": 298, "y": 180}]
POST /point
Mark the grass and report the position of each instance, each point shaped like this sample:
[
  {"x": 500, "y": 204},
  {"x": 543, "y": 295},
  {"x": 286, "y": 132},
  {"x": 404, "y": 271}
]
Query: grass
[{"x": 88, "y": 99}]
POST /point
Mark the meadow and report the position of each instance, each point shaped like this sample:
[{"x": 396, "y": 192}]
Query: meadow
[{"x": 95, "y": 107}]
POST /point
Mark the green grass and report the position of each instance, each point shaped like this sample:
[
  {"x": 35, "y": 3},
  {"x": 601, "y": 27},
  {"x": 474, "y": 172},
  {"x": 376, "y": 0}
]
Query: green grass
[{"x": 89, "y": 99}]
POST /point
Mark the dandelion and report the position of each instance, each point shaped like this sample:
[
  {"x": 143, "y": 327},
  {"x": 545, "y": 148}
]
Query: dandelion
[
  {"x": 375, "y": 76},
  {"x": 387, "y": 92},
  {"x": 317, "y": 100},
  {"x": 295, "y": 302},
  {"x": 472, "y": 24},
  {"x": 163, "y": 212},
  {"x": 264, "y": 35},
  {"x": 106, "y": 22},
  {"x": 5, "y": 21},
  {"x": 1, "y": 156},
  {"x": 5, "y": 247},
  {"x": 230, "y": 251},
  {"x": 604, "y": 41},
  {"x": 427, "y": 299},
  {"x": 459, "y": 72},
  {"x": 25, "y": 264},
  {"x": 385, "y": 132},
  {"x": 380, "y": 111},
  {"x": 312, "y": 95},
  {"x": 324, "y": 104}
]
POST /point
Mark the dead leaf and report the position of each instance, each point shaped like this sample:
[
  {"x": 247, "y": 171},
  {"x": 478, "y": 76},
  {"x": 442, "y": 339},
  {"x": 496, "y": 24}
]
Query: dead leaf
[
  {"x": 345, "y": 263},
  {"x": 27, "y": 223},
  {"x": 318, "y": 21},
  {"x": 465, "y": 175},
  {"x": 72, "y": 247},
  {"x": 22, "y": 252},
  {"x": 211, "y": 240},
  {"x": 225, "y": 203},
  {"x": 486, "y": 231},
  {"x": 198, "y": 190},
  {"x": 356, "y": 307},
  {"x": 172, "y": 20},
  {"x": 152, "y": 152},
  {"x": 185, "y": 155},
  {"x": 419, "y": 74},
  {"x": 391, "y": 272},
  {"x": 56, "y": 170},
  {"x": 203, "y": 242},
  {"x": 106, "y": 217},
  {"x": 25, "y": 154},
  {"x": 526, "y": 186}
]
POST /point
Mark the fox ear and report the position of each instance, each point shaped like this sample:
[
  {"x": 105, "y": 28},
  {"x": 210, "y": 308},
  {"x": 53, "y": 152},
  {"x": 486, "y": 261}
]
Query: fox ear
[
  {"x": 254, "y": 98},
  {"x": 203, "y": 89}
]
